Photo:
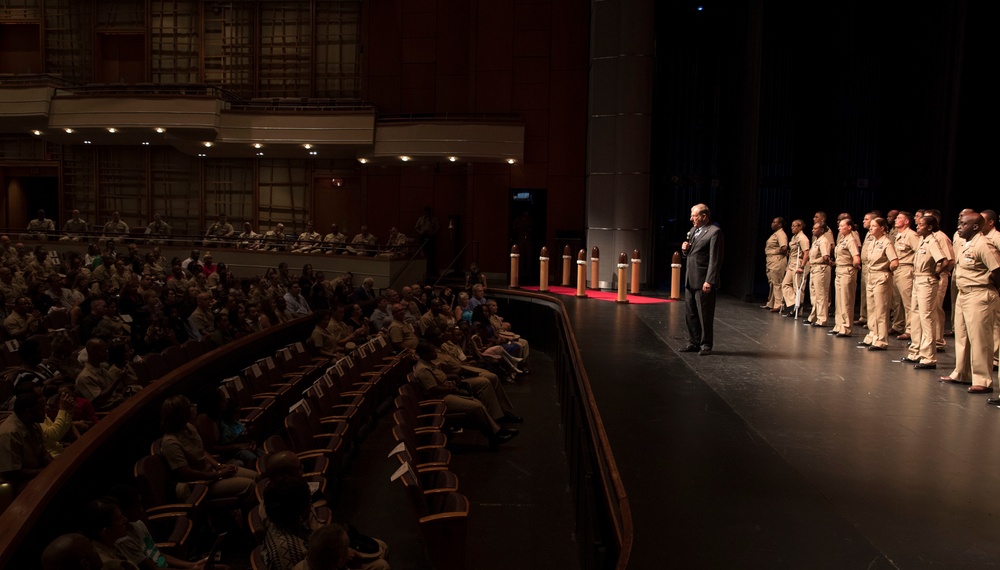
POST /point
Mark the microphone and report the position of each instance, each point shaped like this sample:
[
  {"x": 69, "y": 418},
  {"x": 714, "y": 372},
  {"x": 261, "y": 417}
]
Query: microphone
[{"x": 688, "y": 237}]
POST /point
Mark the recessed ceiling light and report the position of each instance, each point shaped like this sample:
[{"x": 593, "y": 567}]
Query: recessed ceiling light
[
  {"x": 307, "y": 146},
  {"x": 36, "y": 132},
  {"x": 86, "y": 142},
  {"x": 208, "y": 145},
  {"x": 260, "y": 154},
  {"x": 202, "y": 154},
  {"x": 452, "y": 158},
  {"x": 313, "y": 152},
  {"x": 112, "y": 130},
  {"x": 510, "y": 161},
  {"x": 404, "y": 158},
  {"x": 161, "y": 130},
  {"x": 146, "y": 143},
  {"x": 68, "y": 131},
  {"x": 257, "y": 145},
  {"x": 363, "y": 160}
]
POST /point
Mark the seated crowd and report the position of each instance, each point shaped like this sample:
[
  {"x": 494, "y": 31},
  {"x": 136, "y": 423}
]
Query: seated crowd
[
  {"x": 77, "y": 327},
  {"x": 221, "y": 233}
]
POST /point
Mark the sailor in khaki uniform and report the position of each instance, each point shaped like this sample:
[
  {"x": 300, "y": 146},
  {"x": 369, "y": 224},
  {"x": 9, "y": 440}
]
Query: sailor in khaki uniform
[
  {"x": 906, "y": 246},
  {"x": 881, "y": 262},
  {"x": 863, "y": 312},
  {"x": 847, "y": 258},
  {"x": 775, "y": 250},
  {"x": 990, "y": 231},
  {"x": 819, "y": 276},
  {"x": 944, "y": 286},
  {"x": 975, "y": 277},
  {"x": 795, "y": 272},
  {"x": 927, "y": 265}
]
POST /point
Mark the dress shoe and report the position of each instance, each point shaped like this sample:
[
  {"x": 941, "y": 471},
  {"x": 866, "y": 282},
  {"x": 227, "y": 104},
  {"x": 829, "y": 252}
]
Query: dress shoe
[
  {"x": 843, "y": 335},
  {"x": 874, "y": 348},
  {"x": 823, "y": 326},
  {"x": 705, "y": 351},
  {"x": 949, "y": 380},
  {"x": 940, "y": 349},
  {"x": 979, "y": 390},
  {"x": 502, "y": 436},
  {"x": 509, "y": 418},
  {"x": 863, "y": 343},
  {"x": 860, "y": 322},
  {"x": 832, "y": 332},
  {"x": 896, "y": 332},
  {"x": 765, "y": 306},
  {"x": 903, "y": 336},
  {"x": 993, "y": 401},
  {"x": 925, "y": 366},
  {"x": 908, "y": 360},
  {"x": 808, "y": 323},
  {"x": 690, "y": 348}
]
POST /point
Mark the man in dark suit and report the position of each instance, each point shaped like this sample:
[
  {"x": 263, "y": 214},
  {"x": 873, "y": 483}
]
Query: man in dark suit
[{"x": 703, "y": 250}]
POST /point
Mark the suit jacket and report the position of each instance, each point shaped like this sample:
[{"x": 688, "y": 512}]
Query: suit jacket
[{"x": 704, "y": 257}]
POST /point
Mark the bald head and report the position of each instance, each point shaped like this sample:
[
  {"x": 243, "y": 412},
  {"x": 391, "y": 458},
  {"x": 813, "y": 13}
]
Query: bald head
[
  {"x": 70, "y": 552},
  {"x": 283, "y": 464},
  {"x": 969, "y": 224}
]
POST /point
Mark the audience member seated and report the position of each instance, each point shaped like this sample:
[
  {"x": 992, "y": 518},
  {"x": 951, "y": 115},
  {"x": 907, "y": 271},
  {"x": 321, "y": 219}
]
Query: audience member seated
[
  {"x": 104, "y": 524},
  {"x": 503, "y": 329},
  {"x": 363, "y": 243},
  {"x": 58, "y": 429},
  {"x": 115, "y": 230},
  {"x": 437, "y": 384},
  {"x": 94, "y": 382},
  {"x": 73, "y": 552},
  {"x": 381, "y": 316},
  {"x": 138, "y": 545},
  {"x": 395, "y": 244},
  {"x": 478, "y": 296},
  {"x": 334, "y": 241},
  {"x": 220, "y": 231},
  {"x": 22, "y": 445},
  {"x": 295, "y": 302},
  {"x": 39, "y": 228},
  {"x": 23, "y": 321},
  {"x": 401, "y": 333},
  {"x": 185, "y": 454},
  {"x": 485, "y": 385},
  {"x": 220, "y": 429},
  {"x": 248, "y": 239},
  {"x": 275, "y": 240},
  {"x": 308, "y": 241},
  {"x": 158, "y": 231},
  {"x": 474, "y": 277},
  {"x": 201, "y": 319},
  {"x": 75, "y": 228}
]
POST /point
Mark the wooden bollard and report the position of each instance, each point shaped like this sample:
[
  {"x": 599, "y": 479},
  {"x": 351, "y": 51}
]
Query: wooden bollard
[
  {"x": 595, "y": 268},
  {"x": 635, "y": 272},
  {"x": 515, "y": 259},
  {"x": 543, "y": 269},
  {"x": 675, "y": 276},
  {"x": 622, "y": 266},
  {"x": 567, "y": 264},
  {"x": 581, "y": 273}
]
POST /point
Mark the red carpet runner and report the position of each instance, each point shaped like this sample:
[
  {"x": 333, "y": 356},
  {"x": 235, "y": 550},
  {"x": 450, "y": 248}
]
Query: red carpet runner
[{"x": 601, "y": 295}]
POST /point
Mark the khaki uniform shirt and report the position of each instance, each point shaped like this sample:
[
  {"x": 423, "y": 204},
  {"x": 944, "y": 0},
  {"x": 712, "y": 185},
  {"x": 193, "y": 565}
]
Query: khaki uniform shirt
[
  {"x": 944, "y": 242},
  {"x": 820, "y": 248},
  {"x": 977, "y": 260},
  {"x": 75, "y": 226},
  {"x": 928, "y": 254},
  {"x": 865, "y": 248},
  {"x": 113, "y": 228},
  {"x": 907, "y": 242},
  {"x": 880, "y": 254},
  {"x": 334, "y": 238},
  {"x": 21, "y": 446},
  {"x": 772, "y": 249},
  {"x": 846, "y": 250},
  {"x": 218, "y": 230},
  {"x": 91, "y": 381},
  {"x": 41, "y": 226},
  {"x": 797, "y": 250},
  {"x": 401, "y": 334}
]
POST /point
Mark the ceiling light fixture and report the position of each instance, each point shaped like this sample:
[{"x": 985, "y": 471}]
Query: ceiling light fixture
[
  {"x": 313, "y": 152},
  {"x": 307, "y": 146},
  {"x": 112, "y": 130},
  {"x": 36, "y": 133},
  {"x": 257, "y": 145},
  {"x": 260, "y": 154},
  {"x": 208, "y": 145},
  {"x": 404, "y": 158},
  {"x": 363, "y": 160},
  {"x": 86, "y": 142},
  {"x": 452, "y": 158},
  {"x": 145, "y": 143},
  {"x": 510, "y": 161},
  {"x": 68, "y": 131},
  {"x": 202, "y": 154},
  {"x": 160, "y": 130}
]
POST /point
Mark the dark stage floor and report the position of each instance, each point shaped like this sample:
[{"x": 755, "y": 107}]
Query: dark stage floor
[{"x": 788, "y": 448}]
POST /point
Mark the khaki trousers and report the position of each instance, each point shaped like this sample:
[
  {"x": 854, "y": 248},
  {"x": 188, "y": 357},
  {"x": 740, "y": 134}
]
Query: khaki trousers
[
  {"x": 943, "y": 289},
  {"x": 902, "y": 278},
  {"x": 789, "y": 283},
  {"x": 879, "y": 298},
  {"x": 478, "y": 414},
  {"x": 923, "y": 309},
  {"x": 974, "y": 311},
  {"x": 863, "y": 313},
  {"x": 775, "y": 273},
  {"x": 483, "y": 389},
  {"x": 819, "y": 294},
  {"x": 847, "y": 280}
]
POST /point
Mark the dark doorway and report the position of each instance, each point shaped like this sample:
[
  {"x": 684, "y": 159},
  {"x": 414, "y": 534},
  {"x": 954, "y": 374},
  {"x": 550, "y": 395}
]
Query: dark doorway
[
  {"x": 527, "y": 230},
  {"x": 26, "y": 195}
]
